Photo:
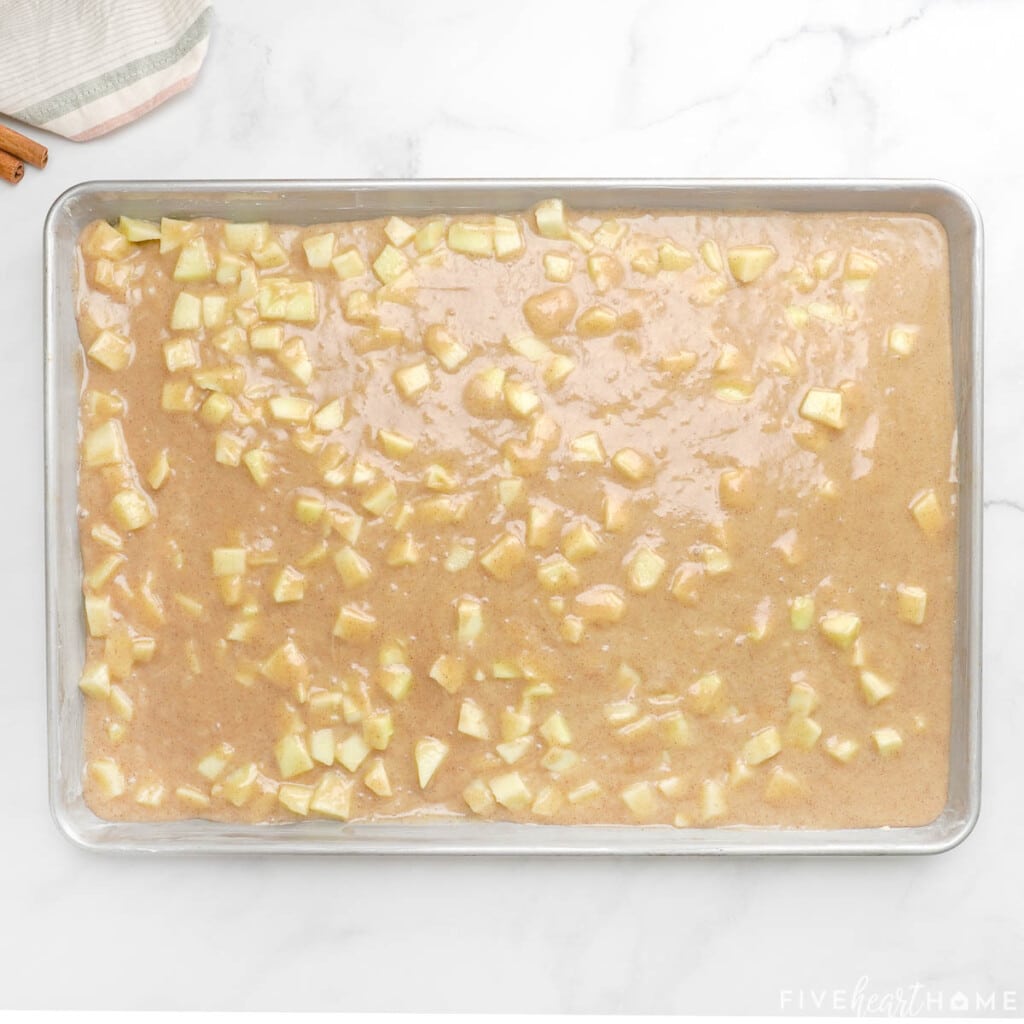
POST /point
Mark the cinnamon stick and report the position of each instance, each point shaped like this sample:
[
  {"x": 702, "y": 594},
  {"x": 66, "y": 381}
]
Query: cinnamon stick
[
  {"x": 11, "y": 168},
  {"x": 22, "y": 147}
]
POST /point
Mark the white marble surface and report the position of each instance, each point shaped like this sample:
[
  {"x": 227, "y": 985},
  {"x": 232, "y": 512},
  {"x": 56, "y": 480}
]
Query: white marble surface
[{"x": 535, "y": 88}]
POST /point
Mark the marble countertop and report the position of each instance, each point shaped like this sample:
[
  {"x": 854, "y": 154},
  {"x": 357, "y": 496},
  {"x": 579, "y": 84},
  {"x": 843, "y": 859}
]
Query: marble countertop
[{"x": 458, "y": 88}]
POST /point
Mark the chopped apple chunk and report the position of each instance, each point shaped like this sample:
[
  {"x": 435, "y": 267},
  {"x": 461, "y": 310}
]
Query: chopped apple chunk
[
  {"x": 448, "y": 672},
  {"x": 131, "y": 509},
  {"x": 712, "y": 800},
  {"x": 333, "y": 796},
  {"x": 351, "y": 752},
  {"x": 912, "y": 603},
  {"x": 295, "y": 797},
  {"x": 95, "y": 680},
  {"x": 194, "y": 262},
  {"x": 762, "y": 746},
  {"x": 504, "y": 557},
  {"x": 511, "y": 791},
  {"x": 111, "y": 350},
  {"x": 928, "y": 513},
  {"x": 874, "y": 688},
  {"x": 902, "y": 339},
  {"x": 888, "y": 741},
  {"x": 376, "y": 778},
  {"x": 748, "y": 262},
  {"x": 105, "y": 445},
  {"x": 825, "y": 406},
  {"x": 469, "y": 613},
  {"x": 644, "y": 570},
  {"x": 802, "y": 732},
  {"x": 108, "y": 777},
  {"x": 632, "y": 465},
  {"x": 674, "y": 257},
  {"x": 282, "y": 298},
  {"x": 641, "y": 798},
  {"x": 473, "y": 721},
  {"x": 292, "y": 756},
  {"x": 840, "y": 628},
  {"x": 429, "y": 753}
]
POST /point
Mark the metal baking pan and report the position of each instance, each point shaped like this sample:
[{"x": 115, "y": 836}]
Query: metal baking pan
[{"x": 318, "y": 201}]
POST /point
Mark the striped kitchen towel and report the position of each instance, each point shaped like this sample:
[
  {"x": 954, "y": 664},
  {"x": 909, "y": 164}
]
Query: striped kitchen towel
[{"x": 82, "y": 68}]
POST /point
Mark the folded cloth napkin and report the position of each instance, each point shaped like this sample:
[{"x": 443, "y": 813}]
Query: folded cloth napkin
[{"x": 81, "y": 68}]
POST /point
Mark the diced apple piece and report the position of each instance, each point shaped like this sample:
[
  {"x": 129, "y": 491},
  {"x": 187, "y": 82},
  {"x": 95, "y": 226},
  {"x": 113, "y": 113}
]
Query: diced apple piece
[
  {"x": 291, "y": 409},
  {"x": 557, "y": 573},
  {"x": 470, "y": 618},
  {"x": 448, "y": 672},
  {"x": 716, "y": 561},
  {"x": 580, "y": 542},
  {"x": 504, "y": 557},
  {"x": 333, "y": 796},
  {"x": 673, "y": 257},
  {"x": 632, "y": 465},
  {"x": 902, "y": 339},
  {"x": 803, "y": 699},
  {"x": 928, "y": 513},
  {"x": 549, "y": 313},
  {"x": 95, "y": 680},
  {"x": 801, "y": 612},
  {"x": 139, "y": 230},
  {"x": 478, "y": 797},
  {"x": 396, "y": 681},
  {"x": 783, "y": 787},
  {"x": 229, "y": 561},
  {"x": 131, "y": 509},
  {"x": 512, "y": 751},
  {"x": 266, "y": 338},
  {"x": 429, "y": 752},
  {"x": 859, "y": 266},
  {"x": 511, "y": 791},
  {"x": 378, "y": 500},
  {"x": 112, "y": 350},
  {"x": 283, "y": 298},
  {"x": 555, "y": 730},
  {"x": 840, "y": 628},
  {"x": 641, "y": 798},
  {"x": 763, "y": 745},
  {"x": 748, "y": 262},
  {"x": 270, "y": 256},
  {"x": 802, "y": 732},
  {"x": 587, "y": 448},
  {"x": 874, "y": 688},
  {"x": 354, "y": 625},
  {"x": 238, "y": 787},
  {"x": 247, "y": 237},
  {"x": 412, "y": 380},
  {"x": 508, "y": 239},
  {"x": 712, "y": 800},
  {"x": 558, "y": 267},
  {"x": 322, "y": 746},
  {"x": 677, "y": 729},
  {"x": 736, "y": 490},
  {"x": 604, "y": 270},
  {"x": 471, "y": 239},
  {"x": 439, "y": 342},
  {"x": 541, "y": 523},
  {"x": 644, "y": 570},
  {"x": 353, "y": 569},
  {"x": 260, "y": 465},
  {"x": 825, "y": 406},
  {"x": 472, "y": 720},
  {"x": 711, "y": 255},
  {"x": 108, "y": 777},
  {"x": 521, "y": 399},
  {"x": 888, "y": 741},
  {"x": 376, "y": 778},
  {"x": 841, "y": 750},
  {"x": 597, "y": 322},
  {"x": 105, "y": 445},
  {"x": 292, "y": 756},
  {"x": 602, "y": 603},
  {"x": 228, "y": 449},
  {"x": 351, "y": 752},
  {"x": 194, "y": 262},
  {"x": 911, "y": 603},
  {"x": 550, "y": 219},
  {"x": 289, "y": 586},
  {"x": 560, "y": 761},
  {"x": 192, "y": 796},
  {"x": 319, "y": 250},
  {"x": 390, "y": 264},
  {"x": 286, "y": 666},
  {"x": 827, "y": 312},
  {"x": 706, "y": 693},
  {"x": 296, "y": 798},
  {"x": 104, "y": 240}
]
